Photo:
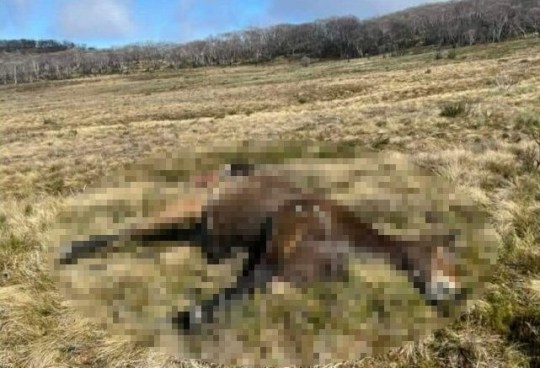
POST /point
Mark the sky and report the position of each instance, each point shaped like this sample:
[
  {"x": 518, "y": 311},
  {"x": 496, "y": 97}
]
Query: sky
[{"x": 105, "y": 23}]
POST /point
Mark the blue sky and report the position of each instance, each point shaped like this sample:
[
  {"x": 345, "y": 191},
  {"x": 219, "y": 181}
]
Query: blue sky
[{"x": 105, "y": 23}]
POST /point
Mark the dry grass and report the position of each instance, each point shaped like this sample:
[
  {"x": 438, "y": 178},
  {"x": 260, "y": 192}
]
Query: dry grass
[{"x": 57, "y": 138}]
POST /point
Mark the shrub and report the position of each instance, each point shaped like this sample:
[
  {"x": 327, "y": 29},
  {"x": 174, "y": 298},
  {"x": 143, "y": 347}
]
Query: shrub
[
  {"x": 530, "y": 158},
  {"x": 529, "y": 124},
  {"x": 452, "y": 54},
  {"x": 524, "y": 331},
  {"x": 305, "y": 61},
  {"x": 453, "y": 109},
  {"x": 504, "y": 82},
  {"x": 49, "y": 121},
  {"x": 380, "y": 142},
  {"x": 302, "y": 99}
]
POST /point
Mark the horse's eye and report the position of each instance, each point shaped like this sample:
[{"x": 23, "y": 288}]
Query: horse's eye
[
  {"x": 434, "y": 217},
  {"x": 327, "y": 269},
  {"x": 451, "y": 240}
]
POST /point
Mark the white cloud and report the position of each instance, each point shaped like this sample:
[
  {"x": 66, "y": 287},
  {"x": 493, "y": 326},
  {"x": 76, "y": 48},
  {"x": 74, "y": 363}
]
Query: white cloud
[{"x": 95, "y": 18}]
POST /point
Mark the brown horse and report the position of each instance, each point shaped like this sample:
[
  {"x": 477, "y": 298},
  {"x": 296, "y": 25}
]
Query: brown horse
[{"x": 288, "y": 233}]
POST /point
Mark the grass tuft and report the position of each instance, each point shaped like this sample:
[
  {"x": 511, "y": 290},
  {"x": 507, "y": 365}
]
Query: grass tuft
[{"x": 453, "y": 109}]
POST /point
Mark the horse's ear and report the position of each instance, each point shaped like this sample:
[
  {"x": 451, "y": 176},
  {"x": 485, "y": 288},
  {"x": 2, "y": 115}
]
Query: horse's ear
[
  {"x": 239, "y": 169},
  {"x": 225, "y": 171}
]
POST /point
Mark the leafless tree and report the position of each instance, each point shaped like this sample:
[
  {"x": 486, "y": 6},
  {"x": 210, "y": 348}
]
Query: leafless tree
[{"x": 455, "y": 23}]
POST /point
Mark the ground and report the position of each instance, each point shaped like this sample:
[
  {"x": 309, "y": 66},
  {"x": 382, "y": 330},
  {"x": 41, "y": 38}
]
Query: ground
[{"x": 468, "y": 119}]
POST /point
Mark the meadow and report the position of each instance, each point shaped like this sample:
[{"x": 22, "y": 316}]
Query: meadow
[{"x": 471, "y": 117}]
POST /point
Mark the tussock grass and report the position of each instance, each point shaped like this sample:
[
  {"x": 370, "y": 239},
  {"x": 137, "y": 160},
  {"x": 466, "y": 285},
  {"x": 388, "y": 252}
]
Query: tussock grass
[
  {"x": 453, "y": 109},
  {"x": 389, "y": 103}
]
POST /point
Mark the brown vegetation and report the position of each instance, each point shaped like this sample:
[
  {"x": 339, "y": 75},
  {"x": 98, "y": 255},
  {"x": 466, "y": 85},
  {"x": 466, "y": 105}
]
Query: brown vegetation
[{"x": 57, "y": 137}]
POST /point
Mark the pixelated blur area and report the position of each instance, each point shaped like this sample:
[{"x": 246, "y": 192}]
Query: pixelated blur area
[{"x": 366, "y": 253}]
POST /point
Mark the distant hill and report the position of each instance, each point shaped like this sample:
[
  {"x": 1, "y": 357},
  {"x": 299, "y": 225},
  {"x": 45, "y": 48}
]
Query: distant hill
[
  {"x": 34, "y": 46},
  {"x": 454, "y": 23}
]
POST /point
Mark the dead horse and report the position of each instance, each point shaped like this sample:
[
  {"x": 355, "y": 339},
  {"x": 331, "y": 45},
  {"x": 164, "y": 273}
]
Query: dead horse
[{"x": 287, "y": 233}]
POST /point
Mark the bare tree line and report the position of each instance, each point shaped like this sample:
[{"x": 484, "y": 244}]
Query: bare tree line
[
  {"x": 455, "y": 23},
  {"x": 34, "y": 46}
]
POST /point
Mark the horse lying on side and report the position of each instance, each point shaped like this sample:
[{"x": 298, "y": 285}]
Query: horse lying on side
[{"x": 288, "y": 233}]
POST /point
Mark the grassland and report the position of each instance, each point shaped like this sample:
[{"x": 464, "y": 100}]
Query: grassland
[{"x": 467, "y": 119}]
